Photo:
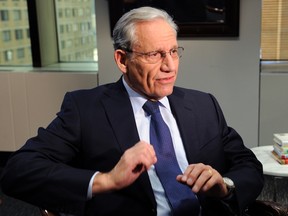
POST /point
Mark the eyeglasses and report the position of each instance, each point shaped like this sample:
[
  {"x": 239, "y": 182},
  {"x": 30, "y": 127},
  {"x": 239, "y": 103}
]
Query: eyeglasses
[{"x": 156, "y": 56}]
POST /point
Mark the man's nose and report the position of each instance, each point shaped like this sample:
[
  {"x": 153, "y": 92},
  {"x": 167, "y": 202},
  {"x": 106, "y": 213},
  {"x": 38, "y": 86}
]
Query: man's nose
[{"x": 168, "y": 63}]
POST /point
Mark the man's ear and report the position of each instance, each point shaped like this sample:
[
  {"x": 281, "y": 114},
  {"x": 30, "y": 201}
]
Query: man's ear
[{"x": 120, "y": 57}]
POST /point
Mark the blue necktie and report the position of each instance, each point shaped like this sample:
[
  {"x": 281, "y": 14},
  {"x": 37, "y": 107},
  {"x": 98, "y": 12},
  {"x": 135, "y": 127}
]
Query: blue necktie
[{"x": 181, "y": 198}]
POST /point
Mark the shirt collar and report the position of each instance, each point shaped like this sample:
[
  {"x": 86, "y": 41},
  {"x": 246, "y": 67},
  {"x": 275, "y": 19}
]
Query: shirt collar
[{"x": 138, "y": 100}]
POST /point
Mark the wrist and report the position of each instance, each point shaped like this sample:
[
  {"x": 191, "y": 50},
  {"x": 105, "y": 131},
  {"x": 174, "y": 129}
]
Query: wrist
[
  {"x": 102, "y": 183},
  {"x": 230, "y": 186}
]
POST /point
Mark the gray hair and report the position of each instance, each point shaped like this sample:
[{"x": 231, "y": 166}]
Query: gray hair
[{"x": 124, "y": 30}]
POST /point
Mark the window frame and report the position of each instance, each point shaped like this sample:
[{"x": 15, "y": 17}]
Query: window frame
[
  {"x": 40, "y": 30},
  {"x": 34, "y": 36},
  {"x": 271, "y": 65}
]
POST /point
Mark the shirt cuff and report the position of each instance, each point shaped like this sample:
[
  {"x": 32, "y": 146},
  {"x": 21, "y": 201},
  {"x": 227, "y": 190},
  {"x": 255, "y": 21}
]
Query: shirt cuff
[{"x": 90, "y": 192}]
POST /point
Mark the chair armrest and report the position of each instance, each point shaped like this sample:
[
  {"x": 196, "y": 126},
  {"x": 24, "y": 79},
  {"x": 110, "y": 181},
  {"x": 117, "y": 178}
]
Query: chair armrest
[
  {"x": 267, "y": 208},
  {"x": 45, "y": 212}
]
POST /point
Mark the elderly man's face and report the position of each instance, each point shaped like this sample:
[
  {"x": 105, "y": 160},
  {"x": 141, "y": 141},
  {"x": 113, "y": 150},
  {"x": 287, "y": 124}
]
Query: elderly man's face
[{"x": 153, "y": 80}]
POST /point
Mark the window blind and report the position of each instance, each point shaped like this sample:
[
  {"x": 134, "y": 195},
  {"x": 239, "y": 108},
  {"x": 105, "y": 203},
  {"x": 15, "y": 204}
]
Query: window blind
[{"x": 274, "y": 35}]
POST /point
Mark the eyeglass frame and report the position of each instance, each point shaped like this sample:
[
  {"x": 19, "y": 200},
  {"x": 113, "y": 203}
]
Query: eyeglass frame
[{"x": 162, "y": 54}]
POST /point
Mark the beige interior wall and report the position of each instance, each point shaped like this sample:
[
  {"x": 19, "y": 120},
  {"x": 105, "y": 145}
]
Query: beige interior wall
[{"x": 31, "y": 99}]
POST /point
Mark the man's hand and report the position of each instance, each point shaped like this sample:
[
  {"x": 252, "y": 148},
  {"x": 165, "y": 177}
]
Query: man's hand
[
  {"x": 204, "y": 179},
  {"x": 133, "y": 162}
]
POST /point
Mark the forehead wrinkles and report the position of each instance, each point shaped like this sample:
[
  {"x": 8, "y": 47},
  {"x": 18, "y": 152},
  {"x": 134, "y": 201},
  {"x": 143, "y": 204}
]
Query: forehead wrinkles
[{"x": 154, "y": 34}]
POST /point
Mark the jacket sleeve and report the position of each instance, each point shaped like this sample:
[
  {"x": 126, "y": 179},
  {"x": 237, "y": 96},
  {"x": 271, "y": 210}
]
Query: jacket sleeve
[{"x": 242, "y": 165}]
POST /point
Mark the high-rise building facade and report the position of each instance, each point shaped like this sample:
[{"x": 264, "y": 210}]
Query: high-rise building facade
[
  {"x": 76, "y": 22},
  {"x": 15, "y": 47}
]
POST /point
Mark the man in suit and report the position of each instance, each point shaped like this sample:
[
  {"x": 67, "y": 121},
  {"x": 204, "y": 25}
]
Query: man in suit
[{"x": 95, "y": 157}]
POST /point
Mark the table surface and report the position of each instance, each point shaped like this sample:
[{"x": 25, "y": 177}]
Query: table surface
[{"x": 270, "y": 165}]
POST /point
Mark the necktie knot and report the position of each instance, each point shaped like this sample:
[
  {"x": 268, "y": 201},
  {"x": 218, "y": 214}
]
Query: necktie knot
[{"x": 151, "y": 107}]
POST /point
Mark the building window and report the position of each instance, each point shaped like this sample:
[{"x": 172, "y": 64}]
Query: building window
[
  {"x": 67, "y": 12},
  {"x": 60, "y": 12},
  {"x": 13, "y": 30},
  {"x": 20, "y": 53},
  {"x": 4, "y": 15},
  {"x": 24, "y": 33},
  {"x": 18, "y": 34},
  {"x": 8, "y": 55},
  {"x": 83, "y": 26},
  {"x": 17, "y": 15},
  {"x": 61, "y": 29},
  {"x": 27, "y": 33},
  {"x": 6, "y": 36}
]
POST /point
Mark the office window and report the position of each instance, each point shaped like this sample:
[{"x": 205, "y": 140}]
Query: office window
[
  {"x": 15, "y": 36},
  {"x": 4, "y": 15},
  {"x": 27, "y": 33},
  {"x": 274, "y": 36},
  {"x": 24, "y": 34},
  {"x": 63, "y": 45},
  {"x": 67, "y": 12},
  {"x": 75, "y": 27},
  {"x": 60, "y": 12},
  {"x": 18, "y": 34},
  {"x": 6, "y": 35},
  {"x": 75, "y": 12},
  {"x": 80, "y": 12},
  {"x": 61, "y": 29},
  {"x": 17, "y": 15},
  {"x": 20, "y": 53},
  {"x": 8, "y": 55},
  {"x": 80, "y": 26}
]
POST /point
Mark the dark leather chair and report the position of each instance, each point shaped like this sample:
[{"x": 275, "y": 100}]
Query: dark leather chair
[
  {"x": 45, "y": 212},
  {"x": 258, "y": 208},
  {"x": 266, "y": 208}
]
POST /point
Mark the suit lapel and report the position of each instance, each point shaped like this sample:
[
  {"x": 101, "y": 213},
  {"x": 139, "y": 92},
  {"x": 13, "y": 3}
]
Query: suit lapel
[
  {"x": 182, "y": 109},
  {"x": 120, "y": 114}
]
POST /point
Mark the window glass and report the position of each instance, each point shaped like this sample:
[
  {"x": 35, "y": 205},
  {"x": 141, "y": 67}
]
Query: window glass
[
  {"x": 17, "y": 15},
  {"x": 6, "y": 36},
  {"x": 4, "y": 15},
  {"x": 15, "y": 47},
  {"x": 274, "y": 35},
  {"x": 76, "y": 32},
  {"x": 18, "y": 34},
  {"x": 76, "y": 28}
]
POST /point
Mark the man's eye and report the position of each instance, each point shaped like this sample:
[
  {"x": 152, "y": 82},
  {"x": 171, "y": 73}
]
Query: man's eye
[
  {"x": 174, "y": 51},
  {"x": 153, "y": 54}
]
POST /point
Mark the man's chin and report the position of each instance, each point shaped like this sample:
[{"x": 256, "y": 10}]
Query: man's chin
[{"x": 164, "y": 93}]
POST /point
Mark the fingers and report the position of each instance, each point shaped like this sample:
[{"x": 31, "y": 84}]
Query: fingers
[
  {"x": 133, "y": 162},
  {"x": 144, "y": 156},
  {"x": 139, "y": 158},
  {"x": 200, "y": 177}
]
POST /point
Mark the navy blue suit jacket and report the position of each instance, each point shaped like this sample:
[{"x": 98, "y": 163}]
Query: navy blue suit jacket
[{"x": 91, "y": 132}]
